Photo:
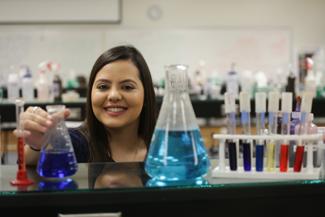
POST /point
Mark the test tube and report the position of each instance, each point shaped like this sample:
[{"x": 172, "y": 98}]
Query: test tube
[
  {"x": 260, "y": 109},
  {"x": 21, "y": 177},
  {"x": 286, "y": 109},
  {"x": 245, "y": 109},
  {"x": 230, "y": 109},
  {"x": 273, "y": 108},
  {"x": 306, "y": 104},
  {"x": 1, "y": 149}
]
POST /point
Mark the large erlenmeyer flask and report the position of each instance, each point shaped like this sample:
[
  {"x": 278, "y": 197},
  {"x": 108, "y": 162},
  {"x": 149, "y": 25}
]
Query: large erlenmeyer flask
[
  {"x": 177, "y": 151},
  {"x": 57, "y": 158}
]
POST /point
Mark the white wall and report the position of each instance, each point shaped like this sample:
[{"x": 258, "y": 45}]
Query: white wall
[
  {"x": 306, "y": 18},
  {"x": 78, "y": 45}
]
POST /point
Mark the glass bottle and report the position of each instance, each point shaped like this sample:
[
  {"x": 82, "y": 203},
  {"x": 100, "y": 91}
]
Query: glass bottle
[
  {"x": 13, "y": 84},
  {"x": 57, "y": 159},
  {"x": 291, "y": 82},
  {"x": 232, "y": 84},
  {"x": 57, "y": 88},
  {"x": 177, "y": 151},
  {"x": 56, "y": 82},
  {"x": 43, "y": 87},
  {"x": 27, "y": 83}
]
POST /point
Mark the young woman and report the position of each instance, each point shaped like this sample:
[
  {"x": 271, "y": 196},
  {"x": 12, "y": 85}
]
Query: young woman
[{"x": 120, "y": 112}]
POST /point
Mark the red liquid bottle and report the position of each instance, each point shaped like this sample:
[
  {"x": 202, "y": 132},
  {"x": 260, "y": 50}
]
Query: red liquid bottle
[{"x": 21, "y": 177}]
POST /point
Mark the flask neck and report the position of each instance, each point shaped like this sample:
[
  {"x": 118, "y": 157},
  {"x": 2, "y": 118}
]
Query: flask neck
[
  {"x": 178, "y": 90},
  {"x": 176, "y": 80}
]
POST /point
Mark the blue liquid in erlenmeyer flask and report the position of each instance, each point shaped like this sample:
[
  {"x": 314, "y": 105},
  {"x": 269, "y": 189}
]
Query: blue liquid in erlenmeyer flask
[
  {"x": 64, "y": 184},
  {"x": 159, "y": 183},
  {"x": 56, "y": 164},
  {"x": 183, "y": 157}
]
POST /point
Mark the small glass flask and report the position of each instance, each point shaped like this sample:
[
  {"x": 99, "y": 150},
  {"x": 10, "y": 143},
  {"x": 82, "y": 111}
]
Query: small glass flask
[
  {"x": 177, "y": 151},
  {"x": 57, "y": 159}
]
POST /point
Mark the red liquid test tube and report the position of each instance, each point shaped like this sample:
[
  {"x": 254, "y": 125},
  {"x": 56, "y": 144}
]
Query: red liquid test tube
[
  {"x": 284, "y": 155},
  {"x": 298, "y": 158}
]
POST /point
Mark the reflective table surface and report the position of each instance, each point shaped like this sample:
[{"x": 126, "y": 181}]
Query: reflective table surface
[{"x": 126, "y": 188}]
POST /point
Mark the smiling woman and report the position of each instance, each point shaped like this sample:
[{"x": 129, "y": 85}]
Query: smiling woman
[
  {"x": 118, "y": 94},
  {"x": 120, "y": 112}
]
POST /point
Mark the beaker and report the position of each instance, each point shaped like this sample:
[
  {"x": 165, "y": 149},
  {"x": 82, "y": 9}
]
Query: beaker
[
  {"x": 177, "y": 151},
  {"x": 57, "y": 158}
]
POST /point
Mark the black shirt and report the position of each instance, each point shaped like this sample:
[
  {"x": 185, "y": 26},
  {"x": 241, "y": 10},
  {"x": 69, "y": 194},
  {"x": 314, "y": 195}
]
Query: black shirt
[{"x": 80, "y": 145}]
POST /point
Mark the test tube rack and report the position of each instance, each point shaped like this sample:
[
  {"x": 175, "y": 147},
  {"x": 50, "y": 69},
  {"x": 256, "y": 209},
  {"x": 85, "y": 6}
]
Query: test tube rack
[{"x": 310, "y": 171}]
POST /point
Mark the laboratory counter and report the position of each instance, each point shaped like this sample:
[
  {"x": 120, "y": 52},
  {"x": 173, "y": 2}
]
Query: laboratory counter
[
  {"x": 205, "y": 109},
  {"x": 127, "y": 189}
]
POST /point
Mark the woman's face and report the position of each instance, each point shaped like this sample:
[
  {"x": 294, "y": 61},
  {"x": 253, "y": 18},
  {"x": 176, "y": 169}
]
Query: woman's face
[{"x": 117, "y": 95}]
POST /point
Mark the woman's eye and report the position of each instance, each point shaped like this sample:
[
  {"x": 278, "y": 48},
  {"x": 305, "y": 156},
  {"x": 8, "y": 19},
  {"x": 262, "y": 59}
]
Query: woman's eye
[
  {"x": 102, "y": 86},
  {"x": 128, "y": 87}
]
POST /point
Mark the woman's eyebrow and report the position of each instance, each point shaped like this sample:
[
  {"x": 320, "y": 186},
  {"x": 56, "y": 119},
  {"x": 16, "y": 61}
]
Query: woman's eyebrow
[
  {"x": 128, "y": 80},
  {"x": 102, "y": 80}
]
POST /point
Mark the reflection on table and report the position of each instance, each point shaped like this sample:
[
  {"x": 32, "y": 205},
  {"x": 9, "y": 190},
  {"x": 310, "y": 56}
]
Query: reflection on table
[
  {"x": 126, "y": 188},
  {"x": 111, "y": 176}
]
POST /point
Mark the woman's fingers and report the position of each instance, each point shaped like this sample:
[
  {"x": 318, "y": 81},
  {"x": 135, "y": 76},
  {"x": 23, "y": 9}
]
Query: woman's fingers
[
  {"x": 24, "y": 133},
  {"x": 66, "y": 113},
  {"x": 36, "y": 119},
  {"x": 37, "y": 111},
  {"x": 60, "y": 115},
  {"x": 37, "y": 125}
]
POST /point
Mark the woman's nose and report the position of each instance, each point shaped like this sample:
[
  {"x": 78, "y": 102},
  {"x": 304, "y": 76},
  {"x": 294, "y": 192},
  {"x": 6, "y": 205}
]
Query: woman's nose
[{"x": 114, "y": 95}]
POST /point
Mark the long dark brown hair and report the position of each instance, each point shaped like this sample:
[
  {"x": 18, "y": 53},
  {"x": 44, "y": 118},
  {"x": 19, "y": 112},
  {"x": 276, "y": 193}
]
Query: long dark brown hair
[{"x": 94, "y": 130}]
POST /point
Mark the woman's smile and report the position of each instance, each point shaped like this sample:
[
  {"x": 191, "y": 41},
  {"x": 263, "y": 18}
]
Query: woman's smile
[{"x": 115, "y": 110}]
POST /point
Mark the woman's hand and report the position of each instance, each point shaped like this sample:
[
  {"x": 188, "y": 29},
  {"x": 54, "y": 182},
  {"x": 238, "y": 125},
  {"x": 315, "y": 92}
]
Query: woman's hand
[{"x": 36, "y": 122}]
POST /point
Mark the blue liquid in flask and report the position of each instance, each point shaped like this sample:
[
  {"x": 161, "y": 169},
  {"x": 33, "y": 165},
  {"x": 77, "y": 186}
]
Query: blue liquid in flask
[
  {"x": 177, "y": 155},
  {"x": 57, "y": 158},
  {"x": 64, "y": 184},
  {"x": 56, "y": 164}
]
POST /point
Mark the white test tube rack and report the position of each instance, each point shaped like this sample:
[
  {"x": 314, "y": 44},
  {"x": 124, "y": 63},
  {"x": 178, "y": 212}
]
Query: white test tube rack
[{"x": 307, "y": 172}]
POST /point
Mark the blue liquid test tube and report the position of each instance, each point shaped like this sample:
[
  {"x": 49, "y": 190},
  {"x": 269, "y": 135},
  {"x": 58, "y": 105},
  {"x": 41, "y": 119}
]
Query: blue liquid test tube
[
  {"x": 245, "y": 109},
  {"x": 260, "y": 109},
  {"x": 230, "y": 109}
]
